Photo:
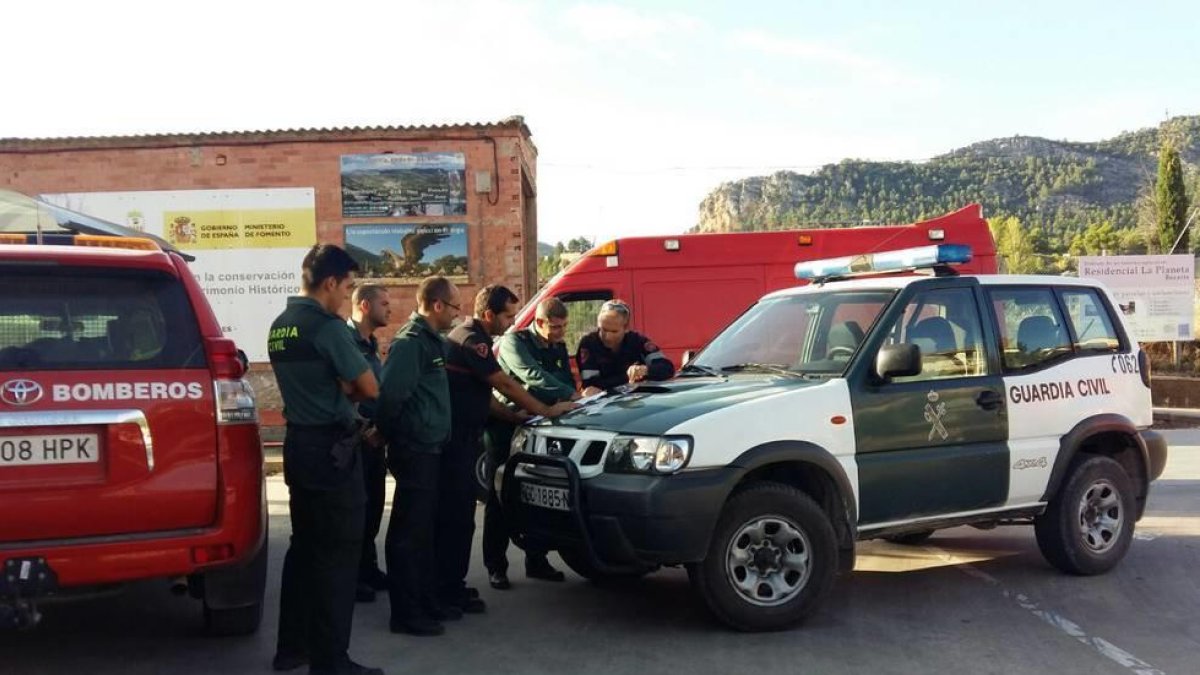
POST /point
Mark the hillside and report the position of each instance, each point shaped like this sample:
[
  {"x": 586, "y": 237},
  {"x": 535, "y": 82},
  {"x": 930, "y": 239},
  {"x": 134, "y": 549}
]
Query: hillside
[{"x": 1058, "y": 186}]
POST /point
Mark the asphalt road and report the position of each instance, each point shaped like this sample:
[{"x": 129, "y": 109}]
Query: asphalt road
[{"x": 969, "y": 601}]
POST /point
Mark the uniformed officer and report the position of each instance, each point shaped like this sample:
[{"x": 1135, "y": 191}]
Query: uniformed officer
[
  {"x": 319, "y": 370},
  {"x": 414, "y": 416},
  {"x": 473, "y": 372},
  {"x": 370, "y": 310},
  {"x": 613, "y": 355},
  {"x": 537, "y": 359}
]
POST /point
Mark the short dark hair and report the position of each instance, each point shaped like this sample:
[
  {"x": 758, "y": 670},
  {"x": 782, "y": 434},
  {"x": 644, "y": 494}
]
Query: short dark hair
[
  {"x": 552, "y": 308},
  {"x": 433, "y": 289},
  {"x": 325, "y": 261},
  {"x": 494, "y": 297},
  {"x": 367, "y": 292}
]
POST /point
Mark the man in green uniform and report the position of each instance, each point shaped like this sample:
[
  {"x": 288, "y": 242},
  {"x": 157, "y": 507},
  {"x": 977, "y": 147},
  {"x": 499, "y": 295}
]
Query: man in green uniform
[
  {"x": 474, "y": 372},
  {"x": 537, "y": 359},
  {"x": 319, "y": 371},
  {"x": 370, "y": 311},
  {"x": 414, "y": 416}
]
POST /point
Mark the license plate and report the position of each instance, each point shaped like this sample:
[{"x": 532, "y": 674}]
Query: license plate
[
  {"x": 545, "y": 496},
  {"x": 49, "y": 449}
]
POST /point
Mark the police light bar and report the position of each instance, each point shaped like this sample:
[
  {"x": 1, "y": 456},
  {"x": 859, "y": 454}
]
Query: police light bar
[{"x": 888, "y": 261}]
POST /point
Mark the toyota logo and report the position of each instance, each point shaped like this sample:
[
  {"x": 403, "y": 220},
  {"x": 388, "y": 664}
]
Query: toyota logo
[{"x": 21, "y": 392}]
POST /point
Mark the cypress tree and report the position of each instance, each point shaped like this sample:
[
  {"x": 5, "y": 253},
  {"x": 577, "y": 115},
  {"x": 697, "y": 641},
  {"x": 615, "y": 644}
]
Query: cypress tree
[{"x": 1170, "y": 200}]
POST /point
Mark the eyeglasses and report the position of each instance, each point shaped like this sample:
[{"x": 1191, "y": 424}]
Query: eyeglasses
[
  {"x": 614, "y": 306},
  {"x": 451, "y": 304}
]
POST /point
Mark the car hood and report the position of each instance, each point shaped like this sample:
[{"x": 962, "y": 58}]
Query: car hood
[{"x": 656, "y": 408}]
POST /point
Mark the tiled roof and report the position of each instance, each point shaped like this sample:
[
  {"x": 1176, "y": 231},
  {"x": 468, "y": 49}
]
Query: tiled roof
[{"x": 434, "y": 131}]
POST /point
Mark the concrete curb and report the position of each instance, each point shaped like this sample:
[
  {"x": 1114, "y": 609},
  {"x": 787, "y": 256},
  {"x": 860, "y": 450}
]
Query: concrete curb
[{"x": 1178, "y": 414}]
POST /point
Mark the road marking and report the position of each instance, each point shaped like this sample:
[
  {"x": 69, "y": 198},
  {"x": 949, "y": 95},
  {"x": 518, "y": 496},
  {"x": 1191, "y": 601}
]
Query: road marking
[{"x": 1106, "y": 648}]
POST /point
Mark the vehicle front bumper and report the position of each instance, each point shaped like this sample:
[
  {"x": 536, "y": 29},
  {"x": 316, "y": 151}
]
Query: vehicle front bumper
[
  {"x": 619, "y": 521},
  {"x": 1156, "y": 453}
]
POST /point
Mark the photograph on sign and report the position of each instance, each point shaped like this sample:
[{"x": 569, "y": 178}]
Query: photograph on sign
[
  {"x": 406, "y": 253},
  {"x": 403, "y": 185},
  {"x": 1155, "y": 293},
  {"x": 248, "y": 245}
]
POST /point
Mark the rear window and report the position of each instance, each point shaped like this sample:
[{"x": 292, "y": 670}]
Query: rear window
[{"x": 84, "y": 319}]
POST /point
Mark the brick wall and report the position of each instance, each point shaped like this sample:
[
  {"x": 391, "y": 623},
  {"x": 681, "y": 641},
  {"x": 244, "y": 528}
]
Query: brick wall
[{"x": 501, "y": 240}]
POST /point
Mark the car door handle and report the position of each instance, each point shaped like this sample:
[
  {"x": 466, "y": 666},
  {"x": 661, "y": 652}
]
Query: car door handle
[{"x": 989, "y": 399}]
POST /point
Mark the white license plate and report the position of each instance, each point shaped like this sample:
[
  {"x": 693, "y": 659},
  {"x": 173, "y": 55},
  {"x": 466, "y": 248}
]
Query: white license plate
[
  {"x": 49, "y": 449},
  {"x": 545, "y": 496}
]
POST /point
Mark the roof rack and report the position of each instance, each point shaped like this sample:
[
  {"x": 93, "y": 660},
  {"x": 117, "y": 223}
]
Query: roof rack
[
  {"x": 28, "y": 220},
  {"x": 936, "y": 259}
]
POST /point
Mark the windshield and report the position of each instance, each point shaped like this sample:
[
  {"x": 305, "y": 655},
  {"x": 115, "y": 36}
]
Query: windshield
[{"x": 811, "y": 333}]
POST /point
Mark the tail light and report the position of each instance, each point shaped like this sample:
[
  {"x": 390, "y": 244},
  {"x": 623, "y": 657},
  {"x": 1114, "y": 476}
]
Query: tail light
[{"x": 234, "y": 396}]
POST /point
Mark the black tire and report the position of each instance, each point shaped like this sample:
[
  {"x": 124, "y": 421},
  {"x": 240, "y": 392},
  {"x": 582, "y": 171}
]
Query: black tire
[
  {"x": 579, "y": 564},
  {"x": 232, "y": 621},
  {"x": 910, "y": 538},
  {"x": 482, "y": 475},
  {"x": 233, "y": 598},
  {"x": 1088, "y": 525},
  {"x": 770, "y": 508}
]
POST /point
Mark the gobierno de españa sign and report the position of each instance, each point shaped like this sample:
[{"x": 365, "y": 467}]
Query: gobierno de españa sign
[{"x": 1155, "y": 292}]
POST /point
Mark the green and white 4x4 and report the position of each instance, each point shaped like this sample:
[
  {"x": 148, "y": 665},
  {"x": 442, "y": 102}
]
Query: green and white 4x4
[{"x": 884, "y": 407}]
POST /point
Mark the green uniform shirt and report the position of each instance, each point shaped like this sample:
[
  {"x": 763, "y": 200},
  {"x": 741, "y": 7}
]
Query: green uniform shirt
[
  {"x": 310, "y": 350},
  {"x": 369, "y": 348},
  {"x": 414, "y": 396},
  {"x": 542, "y": 368}
]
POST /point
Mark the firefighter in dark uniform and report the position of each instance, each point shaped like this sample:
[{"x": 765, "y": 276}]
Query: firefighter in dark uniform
[
  {"x": 613, "y": 355},
  {"x": 474, "y": 371},
  {"x": 319, "y": 370},
  {"x": 414, "y": 416},
  {"x": 537, "y": 359},
  {"x": 370, "y": 310}
]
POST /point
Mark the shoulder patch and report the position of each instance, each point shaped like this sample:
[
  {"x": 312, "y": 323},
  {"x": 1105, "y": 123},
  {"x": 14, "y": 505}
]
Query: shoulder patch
[
  {"x": 583, "y": 354},
  {"x": 650, "y": 347},
  {"x": 482, "y": 350}
]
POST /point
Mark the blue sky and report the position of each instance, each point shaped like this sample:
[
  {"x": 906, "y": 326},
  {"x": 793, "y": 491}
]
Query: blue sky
[{"x": 637, "y": 109}]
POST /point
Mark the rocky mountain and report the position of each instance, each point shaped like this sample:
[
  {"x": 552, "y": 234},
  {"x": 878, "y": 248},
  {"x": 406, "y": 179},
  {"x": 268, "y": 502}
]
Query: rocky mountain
[{"x": 1058, "y": 186}]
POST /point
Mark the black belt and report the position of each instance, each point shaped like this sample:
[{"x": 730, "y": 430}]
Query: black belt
[{"x": 317, "y": 427}]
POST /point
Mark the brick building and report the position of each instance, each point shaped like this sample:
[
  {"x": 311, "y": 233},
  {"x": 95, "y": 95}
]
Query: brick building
[{"x": 493, "y": 188}]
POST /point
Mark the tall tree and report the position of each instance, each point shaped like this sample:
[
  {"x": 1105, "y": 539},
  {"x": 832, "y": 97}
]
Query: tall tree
[
  {"x": 1015, "y": 245},
  {"x": 1171, "y": 200}
]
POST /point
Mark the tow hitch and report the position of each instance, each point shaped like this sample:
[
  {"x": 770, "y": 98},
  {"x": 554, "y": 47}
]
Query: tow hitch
[{"x": 22, "y": 582}]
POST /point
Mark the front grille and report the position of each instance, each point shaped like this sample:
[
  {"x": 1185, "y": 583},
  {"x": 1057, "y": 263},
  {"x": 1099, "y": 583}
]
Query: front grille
[
  {"x": 594, "y": 453},
  {"x": 559, "y": 447}
]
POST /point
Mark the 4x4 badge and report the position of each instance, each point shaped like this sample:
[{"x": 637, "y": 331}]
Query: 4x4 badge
[
  {"x": 934, "y": 412},
  {"x": 21, "y": 392}
]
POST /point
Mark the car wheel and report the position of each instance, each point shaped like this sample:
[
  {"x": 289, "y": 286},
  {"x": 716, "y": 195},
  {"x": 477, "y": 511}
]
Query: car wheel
[
  {"x": 1088, "y": 525},
  {"x": 771, "y": 561},
  {"x": 481, "y": 475},
  {"x": 233, "y": 620},
  {"x": 910, "y": 538},
  {"x": 233, "y": 598}
]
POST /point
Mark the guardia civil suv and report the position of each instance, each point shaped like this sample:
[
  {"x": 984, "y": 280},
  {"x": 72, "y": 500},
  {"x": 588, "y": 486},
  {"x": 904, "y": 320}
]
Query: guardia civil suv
[{"x": 848, "y": 409}]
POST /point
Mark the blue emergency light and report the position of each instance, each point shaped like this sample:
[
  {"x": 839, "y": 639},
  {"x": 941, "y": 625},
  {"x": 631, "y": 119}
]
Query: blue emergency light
[{"x": 887, "y": 261}]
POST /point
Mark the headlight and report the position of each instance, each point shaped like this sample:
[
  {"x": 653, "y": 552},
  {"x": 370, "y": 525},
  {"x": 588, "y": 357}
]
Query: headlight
[
  {"x": 648, "y": 454},
  {"x": 519, "y": 437}
]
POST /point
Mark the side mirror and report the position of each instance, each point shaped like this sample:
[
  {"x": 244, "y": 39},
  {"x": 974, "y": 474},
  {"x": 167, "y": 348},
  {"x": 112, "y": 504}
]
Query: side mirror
[
  {"x": 688, "y": 356},
  {"x": 244, "y": 360},
  {"x": 902, "y": 360}
]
